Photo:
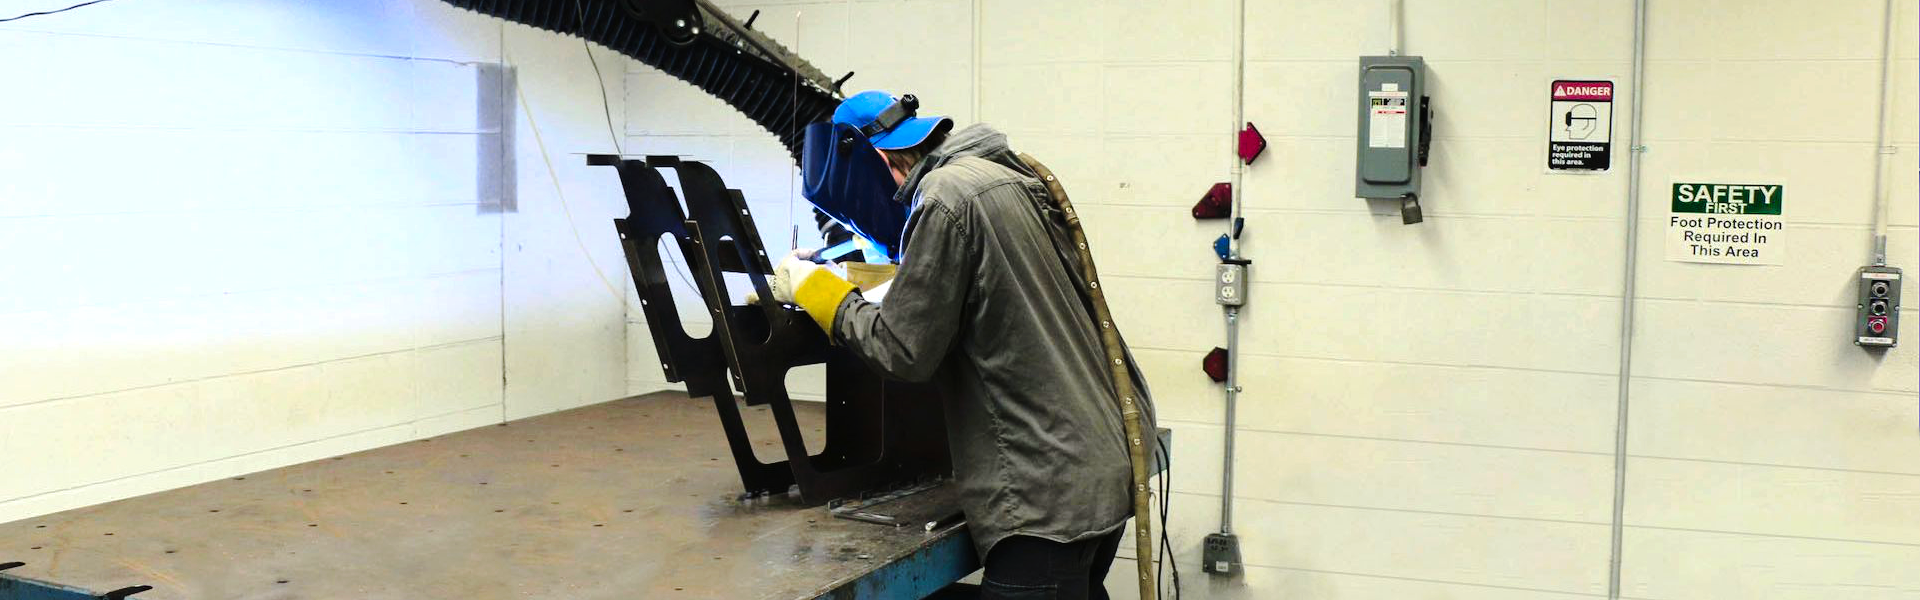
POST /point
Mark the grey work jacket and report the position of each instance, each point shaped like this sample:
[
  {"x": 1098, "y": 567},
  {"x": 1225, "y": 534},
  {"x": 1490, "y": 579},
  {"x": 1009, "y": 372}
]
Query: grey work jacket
[{"x": 987, "y": 305}]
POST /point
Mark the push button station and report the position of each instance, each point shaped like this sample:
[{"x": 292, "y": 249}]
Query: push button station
[{"x": 1878, "y": 322}]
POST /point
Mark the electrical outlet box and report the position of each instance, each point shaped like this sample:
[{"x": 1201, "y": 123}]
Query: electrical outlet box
[
  {"x": 1393, "y": 127},
  {"x": 1230, "y": 284},
  {"x": 1220, "y": 554},
  {"x": 1878, "y": 316}
]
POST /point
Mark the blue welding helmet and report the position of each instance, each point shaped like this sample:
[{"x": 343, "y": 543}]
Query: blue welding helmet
[
  {"x": 889, "y": 123},
  {"x": 847, "y": 179}
]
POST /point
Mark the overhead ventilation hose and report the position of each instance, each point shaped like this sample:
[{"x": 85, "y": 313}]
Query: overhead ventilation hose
[{"x": 695, "y": 42}]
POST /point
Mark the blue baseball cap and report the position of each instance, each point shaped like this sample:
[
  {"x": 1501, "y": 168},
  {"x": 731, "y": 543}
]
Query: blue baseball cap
[{"x": 889, "y": 123}]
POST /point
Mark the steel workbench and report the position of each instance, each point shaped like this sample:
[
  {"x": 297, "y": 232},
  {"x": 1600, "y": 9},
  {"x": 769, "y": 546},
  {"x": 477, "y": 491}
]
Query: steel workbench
[{"x": 634, "y": 498}]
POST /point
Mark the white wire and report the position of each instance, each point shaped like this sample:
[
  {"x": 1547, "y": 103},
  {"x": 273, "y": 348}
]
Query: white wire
[
  {"x": 793, "y": 240},
  {"x": 565, "y": 208}
]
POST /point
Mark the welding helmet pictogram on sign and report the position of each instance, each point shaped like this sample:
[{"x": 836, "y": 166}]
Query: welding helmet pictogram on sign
[{"x": 1580, "y": 126}]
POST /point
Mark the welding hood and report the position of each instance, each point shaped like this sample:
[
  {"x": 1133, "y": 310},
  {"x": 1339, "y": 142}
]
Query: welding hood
[{"x": 847, "y": 179}]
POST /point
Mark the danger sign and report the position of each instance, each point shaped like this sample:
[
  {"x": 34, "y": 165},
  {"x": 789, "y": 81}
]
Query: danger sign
[{"x": 1580, "y": 134}]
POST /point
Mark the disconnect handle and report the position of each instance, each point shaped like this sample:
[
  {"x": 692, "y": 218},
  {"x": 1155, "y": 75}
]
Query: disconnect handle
[{"x": 1426, "y": 128}]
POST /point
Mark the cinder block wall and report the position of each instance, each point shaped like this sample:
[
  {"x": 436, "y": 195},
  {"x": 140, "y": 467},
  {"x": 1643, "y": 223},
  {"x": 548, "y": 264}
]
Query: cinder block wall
[
  {"x": 240, "y": 235},
  {"x": 1769, "y": 457},
  {"x": 1431, "y": 410}
]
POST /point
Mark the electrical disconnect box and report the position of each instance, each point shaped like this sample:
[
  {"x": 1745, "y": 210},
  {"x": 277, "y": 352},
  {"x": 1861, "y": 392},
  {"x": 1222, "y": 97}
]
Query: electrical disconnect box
[
  {"x": 1878, "y": 322},
  {"x": 1396, "y": 125}
]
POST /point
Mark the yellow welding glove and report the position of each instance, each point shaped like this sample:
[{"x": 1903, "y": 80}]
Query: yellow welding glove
[
  {"x": 798, "y": 280},
  {"x": 820, "y": 293}
]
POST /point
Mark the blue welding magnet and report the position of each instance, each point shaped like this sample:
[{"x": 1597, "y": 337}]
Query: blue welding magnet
[{"x": 848, "y": 180}]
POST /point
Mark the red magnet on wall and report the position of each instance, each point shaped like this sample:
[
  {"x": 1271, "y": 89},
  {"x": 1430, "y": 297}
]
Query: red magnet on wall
[
  {"x": 1216, "y": 204},
  {"x": 1251, "y": 143},
  {"x": 1215, "y": 364}
]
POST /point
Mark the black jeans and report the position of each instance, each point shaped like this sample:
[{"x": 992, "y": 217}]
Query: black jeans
[{"x": 1029, "y": 568}]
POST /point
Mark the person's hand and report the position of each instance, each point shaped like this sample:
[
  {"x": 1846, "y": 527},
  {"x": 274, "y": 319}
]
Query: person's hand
[{"x": 790, "y": 272}]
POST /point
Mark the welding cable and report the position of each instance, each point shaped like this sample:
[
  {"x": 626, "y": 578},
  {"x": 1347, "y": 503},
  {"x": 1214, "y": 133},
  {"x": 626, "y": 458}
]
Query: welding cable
[
  {"x": 1121, "y": 372},
  {"x": 1166, "y": 543}
]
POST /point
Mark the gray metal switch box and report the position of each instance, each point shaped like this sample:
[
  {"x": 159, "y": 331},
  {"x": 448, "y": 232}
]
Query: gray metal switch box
[
  {"x": 1878, "y": 320},
  {"x": 1392, "y": 105}
]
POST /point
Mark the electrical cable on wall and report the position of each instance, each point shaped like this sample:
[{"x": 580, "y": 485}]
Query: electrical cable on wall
[
  {"x": 567, "y": 209},
  {"x": 606, "y": 110},
  {"x": 554, "y": 176},
  {"x": 50, "y": 12}
]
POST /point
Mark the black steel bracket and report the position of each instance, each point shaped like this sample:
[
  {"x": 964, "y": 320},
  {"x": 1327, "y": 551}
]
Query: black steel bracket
[{"x": 879, "y": 434}]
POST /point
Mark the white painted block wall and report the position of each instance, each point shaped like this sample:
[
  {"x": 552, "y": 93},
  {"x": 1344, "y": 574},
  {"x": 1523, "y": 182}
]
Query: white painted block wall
[
  {"x": 249, "y": 233},
  {"x": 1431, "y": 410},
  {"x": 243, "y": 234},
  {"x": 1769, "y": 457}
]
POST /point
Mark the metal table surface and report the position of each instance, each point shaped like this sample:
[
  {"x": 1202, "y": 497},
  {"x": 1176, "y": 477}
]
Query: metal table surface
[{"x": 634, "y": 498}]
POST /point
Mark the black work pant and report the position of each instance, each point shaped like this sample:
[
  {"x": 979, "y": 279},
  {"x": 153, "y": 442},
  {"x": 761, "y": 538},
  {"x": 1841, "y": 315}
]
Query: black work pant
[{"x": 1029, "y": 568}]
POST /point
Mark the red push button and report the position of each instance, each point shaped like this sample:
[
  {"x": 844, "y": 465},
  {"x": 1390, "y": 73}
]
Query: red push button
[{"x": 1876, "y": 325}]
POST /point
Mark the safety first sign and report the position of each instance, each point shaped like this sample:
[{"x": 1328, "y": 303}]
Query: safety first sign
[
  {"x": 1580, "y": 134},
  {"x": 1727, "y": 223}
]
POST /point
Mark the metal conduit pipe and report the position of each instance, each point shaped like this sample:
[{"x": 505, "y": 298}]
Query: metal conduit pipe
[
  {"x": 1880, "y": 148},
  {"x": 1636, "y": 149},
  {"x": 1233, "y": 251}
]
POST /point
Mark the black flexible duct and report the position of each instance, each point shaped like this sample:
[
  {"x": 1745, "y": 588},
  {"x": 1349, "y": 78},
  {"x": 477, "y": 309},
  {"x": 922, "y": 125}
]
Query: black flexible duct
[
  {"x": 701, "y": 45},
  {"x": 712, "y": 51}
]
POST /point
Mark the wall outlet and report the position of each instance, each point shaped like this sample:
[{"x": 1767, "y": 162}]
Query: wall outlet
[{"x": 1230, "y": 284}]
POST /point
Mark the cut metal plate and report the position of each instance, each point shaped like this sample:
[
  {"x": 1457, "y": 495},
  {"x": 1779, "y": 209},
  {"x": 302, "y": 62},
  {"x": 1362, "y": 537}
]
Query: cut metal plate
[
  {"x": 880, "y": 435},
  {"x": 929, "y": 506}
]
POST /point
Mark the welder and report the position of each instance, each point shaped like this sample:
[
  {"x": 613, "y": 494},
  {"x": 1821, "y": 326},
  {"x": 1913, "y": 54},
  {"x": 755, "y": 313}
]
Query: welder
[{"x": 991, "y": 301}]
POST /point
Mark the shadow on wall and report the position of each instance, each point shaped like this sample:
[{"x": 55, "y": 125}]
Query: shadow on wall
[{"x": 493, "y": 150}]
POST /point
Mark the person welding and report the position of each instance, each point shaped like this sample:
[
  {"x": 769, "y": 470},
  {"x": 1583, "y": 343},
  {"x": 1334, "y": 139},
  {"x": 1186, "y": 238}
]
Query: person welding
[{"x": 994, "y": 299}]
